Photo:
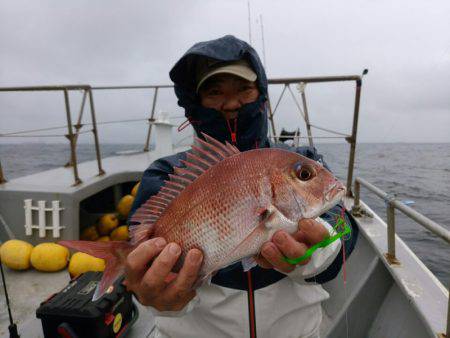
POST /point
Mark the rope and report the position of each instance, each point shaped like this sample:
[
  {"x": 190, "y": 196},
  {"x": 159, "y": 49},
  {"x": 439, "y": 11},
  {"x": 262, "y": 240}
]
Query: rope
[
  {"x": 62, "y": 135},
  {"x": 313, "y": 137},
  {"x": 329, "y": 130},
  {"x": 297, "y": 104},
  {"x": 279, "y": 100},
  {"x": 32, "y": 130},
  {"x": 19, "y": 133}
]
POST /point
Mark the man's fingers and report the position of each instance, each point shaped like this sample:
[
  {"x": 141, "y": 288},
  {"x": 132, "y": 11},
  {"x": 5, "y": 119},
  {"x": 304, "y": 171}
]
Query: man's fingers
[
  {"x": 312, "y": 232},
  {"x": 289, "y": 246},
  {"x": 154, "y": 278},
  {"x": 262, "y": 262},
  {"x": 274, "y": 256},
  {"x": 187, "y": 275},
  {"x": 137, "y": 261}
]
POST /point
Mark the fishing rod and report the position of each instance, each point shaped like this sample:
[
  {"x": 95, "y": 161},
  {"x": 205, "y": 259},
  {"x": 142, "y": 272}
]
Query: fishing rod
[{"x": 12, "y": 326}]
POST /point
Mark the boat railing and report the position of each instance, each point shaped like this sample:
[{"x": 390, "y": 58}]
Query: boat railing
[
  {"x": 74, "y": 130},
  {"x": 391, "y": 205}
]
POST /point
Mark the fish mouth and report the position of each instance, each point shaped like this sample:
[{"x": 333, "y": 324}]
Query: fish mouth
[
  {"x": 332, "y": 196},
  {"x": 334, "y": 193}
]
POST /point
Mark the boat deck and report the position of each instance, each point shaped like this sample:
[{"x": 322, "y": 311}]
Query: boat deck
[{"x": 381, "y": 299}]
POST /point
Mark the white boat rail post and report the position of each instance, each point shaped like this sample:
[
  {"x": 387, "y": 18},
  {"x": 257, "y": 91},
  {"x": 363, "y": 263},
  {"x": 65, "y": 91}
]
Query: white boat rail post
[
  {"x": 151, "y": 119},
  {"x": 305, "y": 111},
  {"x": 41, "y": 218},
  {"x": 95, "y": 132},
  {"x": 448, "y": 317},
  {"x": 79, "y": 125},
  {"x": 56, "y": 226},
  {"x": 163, "y": 135},
  {"x": 71, "y": 137},
  {"x": 271, "y": 112},
  {"x": 28, "y": 217},
  {"x": 352, "y": 138},
  {"x": 391, "y": 205},
  {"x": 2, "y": 177}
]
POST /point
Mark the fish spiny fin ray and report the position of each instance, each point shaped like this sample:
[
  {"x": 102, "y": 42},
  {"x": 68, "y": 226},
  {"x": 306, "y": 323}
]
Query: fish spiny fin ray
[
  {"x": 198, "y": 161},
  {"x": 203, "y": 155},
  {"x": 180, "y": 179},
  {"x": 186, "y": 173},
  {"x": 232, "y": 148},
  {"x": 213, "y": 141},
  {"x": 193, "y": 166}
]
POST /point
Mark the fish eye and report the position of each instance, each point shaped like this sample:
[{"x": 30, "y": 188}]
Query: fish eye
[{"x": 304, "y": 172}]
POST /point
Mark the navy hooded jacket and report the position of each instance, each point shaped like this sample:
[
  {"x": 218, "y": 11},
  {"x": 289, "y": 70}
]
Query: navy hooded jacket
[{"x": 252, "y": 127}]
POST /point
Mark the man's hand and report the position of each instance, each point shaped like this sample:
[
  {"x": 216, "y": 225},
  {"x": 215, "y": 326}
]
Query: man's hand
[
  {"x": 148, "y": 275},
  {"x": 291, "y": 246}
]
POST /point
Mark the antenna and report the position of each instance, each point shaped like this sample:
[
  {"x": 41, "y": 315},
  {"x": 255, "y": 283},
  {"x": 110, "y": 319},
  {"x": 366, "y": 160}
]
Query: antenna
[
  {"x": 249, "y": 24},
  {"x": 262, "y": 38}
]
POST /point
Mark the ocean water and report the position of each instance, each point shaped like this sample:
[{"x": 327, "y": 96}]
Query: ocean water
[{"x": 413, "y": 172}]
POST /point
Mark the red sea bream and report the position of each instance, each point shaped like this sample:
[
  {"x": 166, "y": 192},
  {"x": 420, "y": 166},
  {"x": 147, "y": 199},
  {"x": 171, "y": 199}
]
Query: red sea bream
[{"x": 226, "y": 203}]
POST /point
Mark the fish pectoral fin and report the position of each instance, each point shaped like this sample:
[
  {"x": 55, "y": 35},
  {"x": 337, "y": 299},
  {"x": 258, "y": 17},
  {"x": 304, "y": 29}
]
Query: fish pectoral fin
[{"x": 274, "y": 220}]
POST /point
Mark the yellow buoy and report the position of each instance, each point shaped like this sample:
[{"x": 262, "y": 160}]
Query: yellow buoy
[
  {"x": 124, "y": 206},
  {"x": 89, "y": 234},
  {"x": 107, "y": 223},
  {"x": 49, "y": 257},
  {"x": 81, "y": 263},
  {"x": 120, "y": 233},
  {"x": 15, "y": 254},
  {"x": 135, "y": 189}
]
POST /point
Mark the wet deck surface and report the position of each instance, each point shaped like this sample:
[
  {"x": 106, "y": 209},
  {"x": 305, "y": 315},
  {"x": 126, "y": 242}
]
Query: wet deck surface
[{"x": 27, "y": 289}]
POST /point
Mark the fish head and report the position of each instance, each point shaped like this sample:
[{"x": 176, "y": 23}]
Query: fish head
[{"x": 308, "y": 188}]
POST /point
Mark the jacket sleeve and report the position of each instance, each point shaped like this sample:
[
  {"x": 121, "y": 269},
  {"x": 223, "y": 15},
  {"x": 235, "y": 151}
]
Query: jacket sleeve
[{"x": 331, "y": 217}]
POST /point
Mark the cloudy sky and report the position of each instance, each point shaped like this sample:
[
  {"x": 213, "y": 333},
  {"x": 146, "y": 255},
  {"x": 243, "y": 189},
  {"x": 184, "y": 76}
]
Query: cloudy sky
[{"x": 404, "y": 44}]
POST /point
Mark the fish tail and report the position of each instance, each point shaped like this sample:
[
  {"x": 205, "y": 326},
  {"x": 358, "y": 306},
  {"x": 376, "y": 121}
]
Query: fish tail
[{"x": 114, "y": 253}]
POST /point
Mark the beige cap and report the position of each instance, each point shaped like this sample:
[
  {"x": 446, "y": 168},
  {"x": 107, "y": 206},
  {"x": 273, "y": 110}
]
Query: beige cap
[{"x": 239, "y": 68}]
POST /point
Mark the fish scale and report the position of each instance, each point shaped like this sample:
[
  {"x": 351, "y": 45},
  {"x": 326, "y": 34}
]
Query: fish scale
[
  {"x": 222, "y": 210},
  {"x": 226, "y": 203}
]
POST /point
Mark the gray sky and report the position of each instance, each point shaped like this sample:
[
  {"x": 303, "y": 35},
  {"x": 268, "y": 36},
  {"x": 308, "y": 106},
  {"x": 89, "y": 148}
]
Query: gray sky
[{"x": 405, "y": 45}]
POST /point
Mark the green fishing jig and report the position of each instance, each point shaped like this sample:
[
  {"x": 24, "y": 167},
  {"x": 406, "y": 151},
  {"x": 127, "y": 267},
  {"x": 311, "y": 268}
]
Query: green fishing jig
[{"x": 321, "y": 244}]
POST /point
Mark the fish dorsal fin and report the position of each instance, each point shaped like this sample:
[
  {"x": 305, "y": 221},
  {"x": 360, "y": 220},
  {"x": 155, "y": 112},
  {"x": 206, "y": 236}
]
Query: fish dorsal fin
[{"x": 203, "y": 155}]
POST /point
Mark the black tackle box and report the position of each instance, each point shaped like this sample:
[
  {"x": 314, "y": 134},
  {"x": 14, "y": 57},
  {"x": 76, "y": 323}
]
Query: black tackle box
[{"x": 71, "y": 313}]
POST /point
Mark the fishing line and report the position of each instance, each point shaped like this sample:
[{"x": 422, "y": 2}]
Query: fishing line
[{"x": 344, "y": 270}]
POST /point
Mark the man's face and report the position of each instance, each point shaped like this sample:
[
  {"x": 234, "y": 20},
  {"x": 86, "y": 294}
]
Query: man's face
[{"x": 227, "y": 93}]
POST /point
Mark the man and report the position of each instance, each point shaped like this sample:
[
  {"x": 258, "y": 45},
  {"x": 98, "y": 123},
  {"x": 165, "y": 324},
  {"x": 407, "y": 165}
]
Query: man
[{"x": 222, "y": 86}]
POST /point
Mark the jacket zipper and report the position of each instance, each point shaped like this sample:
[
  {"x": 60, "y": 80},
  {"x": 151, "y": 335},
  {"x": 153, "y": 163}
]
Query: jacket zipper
[{"x": 251, "y": 306}]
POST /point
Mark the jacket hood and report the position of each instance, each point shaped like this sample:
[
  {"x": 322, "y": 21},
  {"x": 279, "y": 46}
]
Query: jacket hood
[{"x": 251, "y": 125}]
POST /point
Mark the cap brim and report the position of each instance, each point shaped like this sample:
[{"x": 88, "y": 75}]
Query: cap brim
[{"x": 241, "y": 71}]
